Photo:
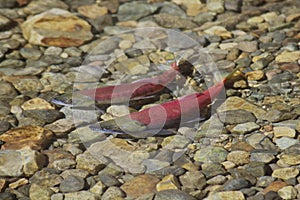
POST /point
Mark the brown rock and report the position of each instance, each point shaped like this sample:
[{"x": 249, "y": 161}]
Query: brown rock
[
  {"x": 255, "y": 75},
  {"x": 92, "y": 11},
  {"x": 140, "y": 185},
  {"x": 292, "y": 67},
  {"x": 169, "y": 182},
  {"x": 56, "y": 27},
  {"x": 275, "y": 186},
  {"x": 18, "y": 183},
  {"x": 34, "y": 137},
  {"x": 23, "y": 2}
]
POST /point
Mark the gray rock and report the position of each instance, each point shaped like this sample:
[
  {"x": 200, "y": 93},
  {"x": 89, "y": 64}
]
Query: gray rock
[
  {"x": 245, "y": 128},
  {"x": 264, "y": 181},
  {"x": 285, "y": 142},
  {"x": 213, "y": 169},
  {"x": 135, "y": 10},
  {"x": 57, "y": 196},
  {"x": 4, "y": 126},
  {"x": 217, "y": 180},
  {"x": 169, "y": 21},
  {"x": 204, "y": 17},
  {"x": 236, "y": 116},
  {"x": 109, "y": 180},
  {"x": 35, "y": 7},
  {"x": 236, "y": 184},
  {"x": 211, "y": 154},
  {"x": 8, "y": 3},
  {"x": 172, "y": 9},
  {"x": 30, "y": 53},
  {"x": 72, "y": 184},
  {"x": 12, "y": 63},
  {"x": 175, "y": 194},
  {"x": 153, "y": 165},
  {"x": 5, "y": 23},
  {"x": 234, "y": 5},
  {"x": 38, "y": 192},
  {"x": 257, "y": 169},
  {"x": 45, "y": 116},
  {"x": 90, "y": 163}
]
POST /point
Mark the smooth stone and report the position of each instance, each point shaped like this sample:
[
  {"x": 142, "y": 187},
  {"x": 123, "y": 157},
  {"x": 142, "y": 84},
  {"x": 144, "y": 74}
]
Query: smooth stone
[
  {"x": 285, "y": 142},
  {"x": 44, "y": 116},
  {"x": 233, "y": 5},
  {"x": 140, "y": 185},
  {"x": 72, "y": 184},
  {"x": 73, "y": 31},
  {"x": 135, "y": 10},
  {"x": 25, "y": 84},
  {"x": 211, "y": 154},
  {"x": 61, "y": 127},
  {"x": 12, "y": 63},
  {"x": 5, "y": 22},
  {"x": 292, "y": 67},
  {"x": 63, "y": 164},
  {"x": 81, "y": 195},
  {"x": 247, "y": 46},
  {"x": 33, "y": 137},
  {"x": 256, "y": 75},
  {"x": 285, "y": 173},
  {"x": 245, "y": 128},
  {"x": 237, "y": 103},
  {"x": 281, "y": 131},
  {"x": 169, "y": 21},
  {"x": 74, "y": 172},
  {"x": 236, "y": 184},
  {"x": 262, "y": 157},
  {"x": 30, "y": 53},
  {"x": 153, "y": 165},
  {"x": 39, "y": 6},
  {"x": 7, "y": 91},
  {"x": 288, "y": 192},
  {"x": 219, "y": 31},
  {"x": 211, "y": 169},
  {"x": 139, "y": 65},
  {"x": 92, "y": 11},
  {"x": 256, "y": 169},
  {"x": 202, "y": 18},
  {"x": 175, "y": 194},
  {"x": 175, "y": 142},
  {"x": 192, "y": 180},
  {"x": 37, "y": 104},
  {"x": 239, "y": 157},
  {"x": 236, "y": 116},
  {"x": 288, "y": 57},
  {"x": 109, "y": 180},
  {"x": 290, "y": 159},
  {"x": 98, "y": 188},
  {"x": 215, "y": 5},
  {"x": 232, "y": 195}
]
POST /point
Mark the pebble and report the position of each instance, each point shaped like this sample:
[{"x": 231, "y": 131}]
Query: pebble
[
  {"x": 30, "y": 53},
  {"x": 168, "y": 21},
  {"x": 140, "y": 185},
  {"x": 139, "y": 65},
  {"x": 236, "y": 116},
  {"x": 25, "y": 84},
  {"x": 48, "y": 34},
  {"x": 192, "y": 180},
  {"x": 281, "y": 131},
  {"x": 61, "y": 127},
  {"x": 274, "y": 186},
  {"x": 211, "y": 154},
  {"x": 135, "y": 10},
  {"x": 98, "y": 188},
  {"x": 81, "y": 195},
  {"x": 285, "y": 142},
  {"x": 39, "y": 6},
  {"x": 169, "y": 182},
  {"x": 175, "y": 142},
  {"x": 4, "y": 126},
  {"x": 232, "y": 195},
  {"x": 90, "y": 163},
  {"x": 285, "y": 173},
  {"x": 175, "y": 194},
  {"x": 92, "y": 11},
  {"x": 287, "y": 56},
  {"x": 37, "y": 192},
  {"x": 290, "y": 159},
  {"x": 247, "y": 46},
  {"x": 256, "y": 169},
  {"x": 33, "y": 137},
  {"x": 236, "y": 184},
  {"x": 215, "y": 6},
  {"x": 153, "y": 165},
  {"x": 109, "y": 180},
  {"x": 239, "y": 157},
  {"x": 72, "y": 184},
  {"x": 288, "y": 192},
  {"x": 262, "y": 157},
  {"x": 113, "y": 193},
  {"x": 245, "y": 128},
  {"x": 255, "y": 75}
]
